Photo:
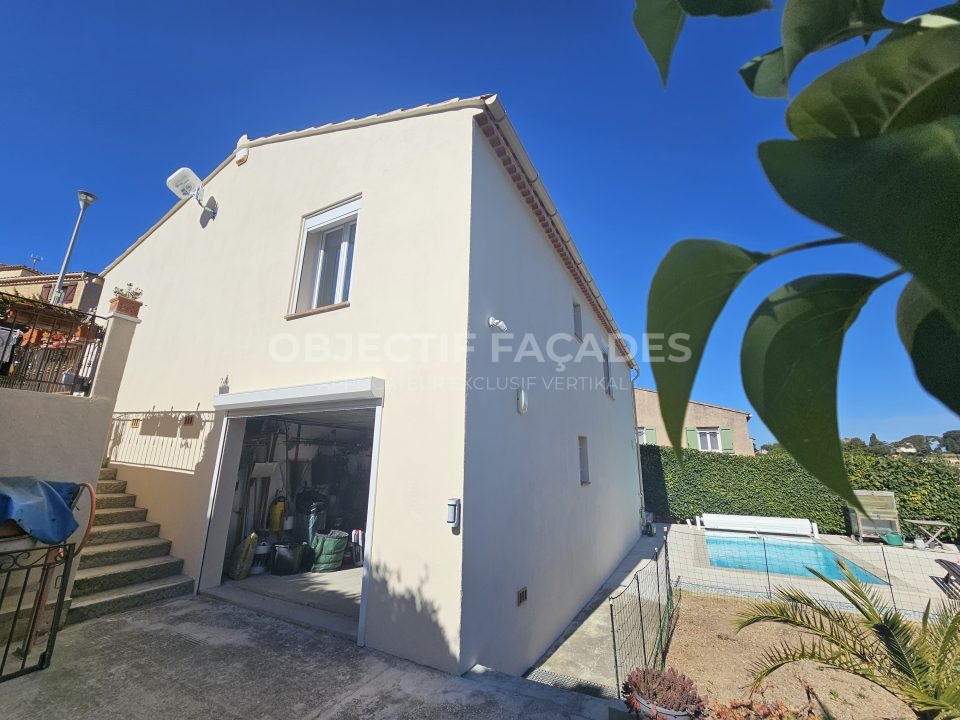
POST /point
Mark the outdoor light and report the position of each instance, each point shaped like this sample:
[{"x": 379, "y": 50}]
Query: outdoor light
[
  {"x": 86, "y": 200},
  {"x": 496, "y": 324}
]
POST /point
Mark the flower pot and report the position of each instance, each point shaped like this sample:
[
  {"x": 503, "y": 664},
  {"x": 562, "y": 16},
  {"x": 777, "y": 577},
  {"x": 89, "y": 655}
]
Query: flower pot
[
  {"x": 655, "y": 711},
  {"x": 125, "y": 306}
]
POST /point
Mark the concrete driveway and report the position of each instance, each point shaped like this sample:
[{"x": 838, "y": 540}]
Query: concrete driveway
[{"x": 201, "y": 658}]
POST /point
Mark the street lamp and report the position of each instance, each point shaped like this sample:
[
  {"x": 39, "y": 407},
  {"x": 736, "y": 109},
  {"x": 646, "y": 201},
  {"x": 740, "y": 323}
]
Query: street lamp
[{"x": 86, "y": 200}]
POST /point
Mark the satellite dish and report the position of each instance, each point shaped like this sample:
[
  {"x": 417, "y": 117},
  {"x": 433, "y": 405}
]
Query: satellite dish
[{"x": 184, "y": 183}]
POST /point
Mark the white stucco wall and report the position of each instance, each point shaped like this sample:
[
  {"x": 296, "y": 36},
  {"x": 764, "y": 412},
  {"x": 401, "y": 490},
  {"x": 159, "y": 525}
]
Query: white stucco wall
[
  {"x": 216, "y": 295},
  {"x": 527, "y": 521}
]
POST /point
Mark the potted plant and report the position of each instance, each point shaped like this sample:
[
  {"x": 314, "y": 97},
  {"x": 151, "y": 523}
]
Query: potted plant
[
  {"x": 662, "y": 694},
  {"x": 126, "y": 300}
]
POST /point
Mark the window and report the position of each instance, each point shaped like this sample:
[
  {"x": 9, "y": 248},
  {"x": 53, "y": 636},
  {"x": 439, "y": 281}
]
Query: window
[
  {"x": 577, "y": 322},
  {"x": 584, "y": 461},
  {"x": 709, "y": 439},
  {"x": 326, "y": 262},
  {"x": 607, "y": 384},
  {"x": 647, "y": 435}
]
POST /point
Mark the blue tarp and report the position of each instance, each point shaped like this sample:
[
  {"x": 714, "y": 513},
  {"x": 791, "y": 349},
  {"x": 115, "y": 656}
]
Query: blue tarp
[{"x": 41, "y": 508}]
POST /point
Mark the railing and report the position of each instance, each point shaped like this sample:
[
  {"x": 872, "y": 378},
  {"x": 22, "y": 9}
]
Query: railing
[
  {"x": 47, "y": 348},
  {"x": 642, "y": 617},
  {"x": 33, "y": 587}
]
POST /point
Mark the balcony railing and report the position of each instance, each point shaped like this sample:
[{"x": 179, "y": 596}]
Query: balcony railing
[{"x": 48, "y": 348}]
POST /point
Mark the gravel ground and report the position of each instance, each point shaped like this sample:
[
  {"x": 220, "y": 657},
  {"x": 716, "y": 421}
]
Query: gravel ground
[{"x": 707, "y": 647}]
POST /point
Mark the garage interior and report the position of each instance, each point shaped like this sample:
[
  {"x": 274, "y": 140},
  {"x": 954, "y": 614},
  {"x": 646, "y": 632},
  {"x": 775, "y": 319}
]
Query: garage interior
[{"x": 299, "y": 515}]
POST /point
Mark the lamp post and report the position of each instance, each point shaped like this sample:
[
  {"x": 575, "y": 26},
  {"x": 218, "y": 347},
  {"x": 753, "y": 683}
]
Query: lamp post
[{"x": 86, "y": 200}]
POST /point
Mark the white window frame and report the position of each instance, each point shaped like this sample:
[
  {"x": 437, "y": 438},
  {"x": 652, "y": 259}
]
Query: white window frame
[
  {"x": 339, "y": 216},
  {"x": 708, "y": 431}
]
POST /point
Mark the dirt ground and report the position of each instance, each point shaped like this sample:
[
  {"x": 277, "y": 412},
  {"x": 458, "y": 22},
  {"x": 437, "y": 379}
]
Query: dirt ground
[{"x": 707, "y": 647}]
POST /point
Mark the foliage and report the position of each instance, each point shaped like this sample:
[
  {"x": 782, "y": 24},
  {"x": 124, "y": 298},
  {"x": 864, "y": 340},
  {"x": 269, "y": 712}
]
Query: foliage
[
  {"x": 951, "y": 441},
  {"x": 758, "y": 708},
  {"x": 130, "y": 292},
  {"x": 921, "y": 443},
  {"x": 777, "y": 485},
  {"x": 667, "y": 689},
  {"x": 876, "y": 158},
  {"x": 919, "y": 664}
]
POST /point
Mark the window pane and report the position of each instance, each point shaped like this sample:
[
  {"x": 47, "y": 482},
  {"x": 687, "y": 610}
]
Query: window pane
[
  {"x": 327, "y": 288},
  {"x": 308, "y": 273},
  {"x": 584, "y": 461},
  {"x": 714, "y": 441}
]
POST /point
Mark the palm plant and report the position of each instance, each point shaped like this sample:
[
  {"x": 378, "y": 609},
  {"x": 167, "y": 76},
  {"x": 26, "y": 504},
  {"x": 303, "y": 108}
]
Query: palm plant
[{"x": 919, "y": 664}]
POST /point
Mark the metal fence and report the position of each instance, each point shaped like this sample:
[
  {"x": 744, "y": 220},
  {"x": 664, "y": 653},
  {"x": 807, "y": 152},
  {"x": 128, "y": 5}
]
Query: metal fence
[
  {"x": 642, "y": 617},
  {"x": 752, "y": 566},
  {"x": 33, "y": 586},
  {"x": 47, "y": 348}
]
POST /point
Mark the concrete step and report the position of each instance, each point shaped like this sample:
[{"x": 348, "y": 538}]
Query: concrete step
[
  {"x": 115, "y": 500},
  {"x": 108, "y": 577},
  {"x": 108, "y": 473},
  {"x": 102, "y": 534},
  {"x": 123, "y": 551},
  {"x": 131, "y": 596},
  {"x": 112, "y": 516},
  {"x": 111, "y": 486}
]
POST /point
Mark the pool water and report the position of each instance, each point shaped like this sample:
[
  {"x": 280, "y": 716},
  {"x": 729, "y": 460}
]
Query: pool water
[{"x": 784, "y": 557}]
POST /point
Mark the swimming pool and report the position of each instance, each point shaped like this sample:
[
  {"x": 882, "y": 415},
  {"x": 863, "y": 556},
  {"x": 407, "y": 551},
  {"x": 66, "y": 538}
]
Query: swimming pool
[{"x": 784, "y": 557}]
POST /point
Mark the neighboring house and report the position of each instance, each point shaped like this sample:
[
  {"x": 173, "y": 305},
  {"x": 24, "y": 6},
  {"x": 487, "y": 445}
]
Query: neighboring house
[
  {"x": 905, "y": 449},
  {"x": 81, "y": 290},
  {"x": 402, "y": 234},
  {"x": 706, "y": 427}
]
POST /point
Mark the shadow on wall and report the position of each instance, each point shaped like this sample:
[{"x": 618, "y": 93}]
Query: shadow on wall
[
  {"x": 402, "y": 621},
  {"x": 169, "y": 439}
]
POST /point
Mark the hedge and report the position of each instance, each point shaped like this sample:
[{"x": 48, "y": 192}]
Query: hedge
[{"x": 776, "y": 485}]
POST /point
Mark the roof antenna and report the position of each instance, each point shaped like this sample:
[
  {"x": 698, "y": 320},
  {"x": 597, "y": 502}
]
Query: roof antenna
[{"x": 34, "y": 259}]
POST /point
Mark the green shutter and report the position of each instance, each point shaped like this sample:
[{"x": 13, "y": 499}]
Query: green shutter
[
  {"x": 726, "y": 440},
  {"x": 650, "y": 436},
  {"x": 692, "y": 440}
]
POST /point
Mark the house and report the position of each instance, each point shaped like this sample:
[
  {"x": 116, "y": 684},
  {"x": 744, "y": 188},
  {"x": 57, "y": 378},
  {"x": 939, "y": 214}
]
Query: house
[
  {"x": 360, "y": 342},
  {"x": 707, "y": 427},
  {"x": 81, "y": 290}
]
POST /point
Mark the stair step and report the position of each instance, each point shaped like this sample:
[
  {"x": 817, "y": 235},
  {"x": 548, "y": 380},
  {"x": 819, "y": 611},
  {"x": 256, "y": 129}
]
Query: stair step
[
  {"x": 112, "y": 516},
  {"x": 102, "y": 534},
  {"x": 107, "y": 577},
  {"x": 123, "y": 551},
  {"x": 111, "y": 486},
  {"x": 115, "y": 500},
  {"x": 131, "y": 596},
  {"x": 108, "y": 473}
]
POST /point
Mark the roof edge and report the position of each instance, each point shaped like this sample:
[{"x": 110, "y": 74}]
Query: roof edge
[{"x": 704, "y": 404}]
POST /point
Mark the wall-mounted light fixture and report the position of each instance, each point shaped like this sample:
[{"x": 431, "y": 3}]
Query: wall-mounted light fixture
[
  {"x": 496, "y": 324},
  {"x": 523, "y": 401},
  {"x": 453, "y": 513}
]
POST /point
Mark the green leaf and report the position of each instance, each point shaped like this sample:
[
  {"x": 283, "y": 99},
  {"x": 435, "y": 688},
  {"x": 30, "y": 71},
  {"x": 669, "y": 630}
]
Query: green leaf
[
  {"x": 932, "y": 343},
  {"x": 898, "y": 84},
  {"x": 766, "y": 75},
  {"x": 811, "y": 25},
  {"x": 725, "y": 8},
  {"x": 789, "y": 361},
  {"x": 659, "y": 23},
  {"x": 899, "y": 193},
  {"x": 690, "y": 288}
]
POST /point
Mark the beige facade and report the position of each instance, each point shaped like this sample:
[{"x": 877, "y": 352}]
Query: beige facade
[
  {"x": 81, "y": 290},
  {"x": 453, "y": 227},
  {"x": 705, "y": 427}
]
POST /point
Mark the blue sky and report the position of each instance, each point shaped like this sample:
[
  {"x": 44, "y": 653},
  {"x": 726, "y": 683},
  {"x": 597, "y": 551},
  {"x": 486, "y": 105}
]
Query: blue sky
[{"x": 113, "y": 97}]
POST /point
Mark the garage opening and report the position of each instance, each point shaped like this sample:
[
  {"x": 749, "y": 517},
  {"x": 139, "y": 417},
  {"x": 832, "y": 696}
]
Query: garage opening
[{"x": 297, "y": 530}]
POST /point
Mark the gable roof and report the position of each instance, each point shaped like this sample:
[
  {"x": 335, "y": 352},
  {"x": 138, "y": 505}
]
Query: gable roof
[
  {"x": 499, "y": 133},
  {"x": 702, "y": 404}
]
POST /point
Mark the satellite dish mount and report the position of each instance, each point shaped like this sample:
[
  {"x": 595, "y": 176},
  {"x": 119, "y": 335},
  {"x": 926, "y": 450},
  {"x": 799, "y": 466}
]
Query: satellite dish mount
[{"x": 184, "y": 183}]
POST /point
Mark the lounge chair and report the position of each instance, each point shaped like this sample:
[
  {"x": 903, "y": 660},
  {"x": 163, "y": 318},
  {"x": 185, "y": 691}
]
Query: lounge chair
[{"x": 950, "y": 583}]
